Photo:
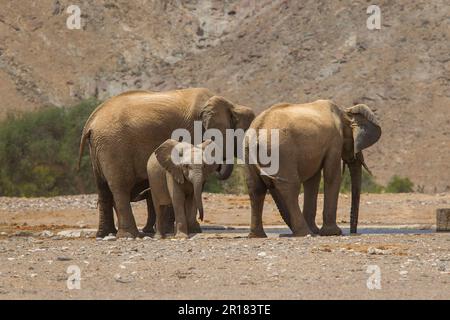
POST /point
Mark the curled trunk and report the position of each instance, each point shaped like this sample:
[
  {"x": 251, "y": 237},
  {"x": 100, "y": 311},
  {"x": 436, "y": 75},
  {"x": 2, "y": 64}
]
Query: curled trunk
[
  {"x": 355, "y": 174},
  {"x": 225, "y": 171}
]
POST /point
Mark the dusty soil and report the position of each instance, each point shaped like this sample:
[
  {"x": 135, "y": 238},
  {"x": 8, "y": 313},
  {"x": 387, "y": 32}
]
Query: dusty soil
[{"x": 413, "y": 260}]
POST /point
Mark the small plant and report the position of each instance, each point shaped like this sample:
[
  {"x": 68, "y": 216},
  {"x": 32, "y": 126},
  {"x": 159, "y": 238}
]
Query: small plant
[{"x": 399, "y": 184}]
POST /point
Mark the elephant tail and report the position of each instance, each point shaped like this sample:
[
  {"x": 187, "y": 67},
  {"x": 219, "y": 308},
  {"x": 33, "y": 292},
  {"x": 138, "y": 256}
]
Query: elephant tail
[
  {"x": 281, "y": 205},
  {"x": 84, "y": 137}
]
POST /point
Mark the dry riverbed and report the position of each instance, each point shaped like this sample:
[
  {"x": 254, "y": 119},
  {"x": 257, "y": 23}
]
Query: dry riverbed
[{"x": 398, "y": 244}]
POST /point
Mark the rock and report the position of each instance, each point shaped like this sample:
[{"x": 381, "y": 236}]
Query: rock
[
  {"x": 121, "y": 279},
  {"x": 37, "y": 241},
  {"x": 373, "y": 250},
  {"x": 442, "y": 220},
  {"x": 403, "y": 273},
  {"x": 110, "y": 238},
  {"x": 262, "y": 254},
  {"x": 63, "y": 259},
  {"x": 147, "y": 238},
  {"x": 70, "y": 233},
  {"x": 46, "y": 234},
  {"x": 442, "y": 267},
  {"x": 80, "y": 233},
  {"x": 81, "y": 224}
]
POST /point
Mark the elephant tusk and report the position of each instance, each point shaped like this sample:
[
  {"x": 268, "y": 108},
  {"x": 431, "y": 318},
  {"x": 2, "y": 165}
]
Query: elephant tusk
[
  {"x": 265, "y": 174},
  {"x": 360, "y": 157},
  {"x": 367, "y": 168}
]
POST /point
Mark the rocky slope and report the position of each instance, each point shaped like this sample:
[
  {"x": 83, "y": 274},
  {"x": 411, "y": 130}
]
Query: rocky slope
[{"x": 254, "y": 52}]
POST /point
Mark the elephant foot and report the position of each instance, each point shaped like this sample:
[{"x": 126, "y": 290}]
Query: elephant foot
[
  {"x": 101, "y": 233},
  {"x": 158, "y": 236},
  {"x": 314, "y": 229},
  {"x": 257, "y": 234},
  {"x": 300, "y": 234},
  {"x": 124, "y": 233},
  {"x": 301, "y": 231},
  {"x": 143, "y": 234},
  {"x": 148, "y": 230},
  {"x": 332, "y": 230},
  {"x": 181, "y": 236}
]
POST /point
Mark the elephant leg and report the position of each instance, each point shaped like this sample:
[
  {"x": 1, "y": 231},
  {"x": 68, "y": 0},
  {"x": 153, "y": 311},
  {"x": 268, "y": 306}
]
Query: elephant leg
[
  {"x": 311, "y": 188},
  {"x": 257, "y": 191},
  {"x": 160, "y": 227},
  {"x": 105, "y": 207},
  {"x": 191, "y": 212},
  {"x": 289, "y": 196},
  {"x": 179, "y": 205},
  {"x": 169, "y": 219},
  {"x": 151, "y": 216},
  {"x": 181, "y": 223},
  {"x": 332, "y": 183},
  {"x": 127, "y": 224}
]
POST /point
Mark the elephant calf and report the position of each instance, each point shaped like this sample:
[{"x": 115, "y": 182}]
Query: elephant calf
[{"x": 177, "y": 173}]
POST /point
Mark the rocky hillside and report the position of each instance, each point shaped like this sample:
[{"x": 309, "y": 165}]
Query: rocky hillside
[{"x": 256, "y": 52}]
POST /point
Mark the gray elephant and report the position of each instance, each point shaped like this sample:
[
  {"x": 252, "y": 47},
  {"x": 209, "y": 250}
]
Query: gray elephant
[
  {"x": 313, "y": 137},
  {"x": 125, "y": 130},
  {"x": 178, "y": 183}
]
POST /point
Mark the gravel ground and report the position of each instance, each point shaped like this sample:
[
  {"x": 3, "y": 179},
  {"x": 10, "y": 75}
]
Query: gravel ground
[
  {"x": 42, "y": 239},
  {"x": 228, "y": 266}
]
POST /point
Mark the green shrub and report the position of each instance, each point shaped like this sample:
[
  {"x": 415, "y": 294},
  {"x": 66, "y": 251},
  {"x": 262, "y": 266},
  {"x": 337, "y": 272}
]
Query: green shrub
[
  {"x": 368, "y": 183},
  {"x": 234, "y": 185},
  {"x": 399, "y": 184},
  {"x": 39, "y": 152}
]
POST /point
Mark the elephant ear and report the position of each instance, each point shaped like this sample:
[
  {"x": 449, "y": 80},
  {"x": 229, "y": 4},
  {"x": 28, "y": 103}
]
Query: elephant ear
[
  {"x": 365, "y": 127},
  {"x": 168, "y": 154},
  {"x": 218, "y": 113}
]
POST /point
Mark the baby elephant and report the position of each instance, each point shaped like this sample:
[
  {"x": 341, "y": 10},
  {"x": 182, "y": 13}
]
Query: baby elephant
[{"x": 177, "y": 172}]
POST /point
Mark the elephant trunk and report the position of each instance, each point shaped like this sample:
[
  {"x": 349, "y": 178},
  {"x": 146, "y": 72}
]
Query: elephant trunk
[
  {"x": 198, "y": 188},
  {"x": 225, "y": 171},
  {"x": 355, "y": 173}
]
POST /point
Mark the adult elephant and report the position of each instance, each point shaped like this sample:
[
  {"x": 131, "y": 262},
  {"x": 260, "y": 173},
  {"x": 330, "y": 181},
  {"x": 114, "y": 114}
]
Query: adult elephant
[
  {"x": 125, "y": 130},
  {"x": 313, "y": 137}
]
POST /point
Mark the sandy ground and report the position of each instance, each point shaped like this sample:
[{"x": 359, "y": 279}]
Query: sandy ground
[{"x": 398, "y": 243}]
